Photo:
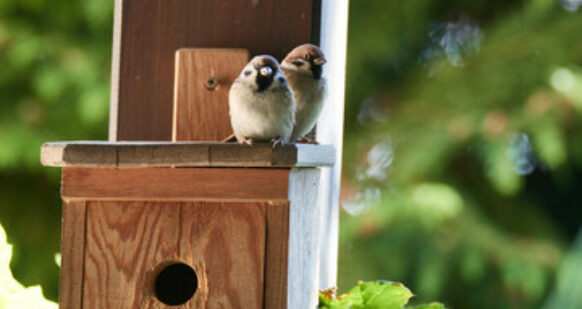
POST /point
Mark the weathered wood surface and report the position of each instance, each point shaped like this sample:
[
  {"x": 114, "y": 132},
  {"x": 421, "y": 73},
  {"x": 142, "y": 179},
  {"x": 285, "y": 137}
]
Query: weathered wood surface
[
  {"x": 148, "y": 32},
  {"x": 177, "y": 184},
  {"x": 203, "y": 77},
  {"x": 129, "y": 242},
  {"x": 183, "y": 154},
  {"x": 73, "y": 255},
  {"x": 276, "y": 255}
]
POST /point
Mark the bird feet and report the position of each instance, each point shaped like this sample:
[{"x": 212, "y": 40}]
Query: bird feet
[
  {"x": 307, "y": 140},
  {"x": 246, "y": 141},
  {"x": 277, "y": 142}
]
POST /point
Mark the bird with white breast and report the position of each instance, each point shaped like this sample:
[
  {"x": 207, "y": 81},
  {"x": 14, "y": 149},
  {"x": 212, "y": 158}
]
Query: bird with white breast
[
  {"x": 262, "y": 105},
  {"x": 303, "y": 68}
]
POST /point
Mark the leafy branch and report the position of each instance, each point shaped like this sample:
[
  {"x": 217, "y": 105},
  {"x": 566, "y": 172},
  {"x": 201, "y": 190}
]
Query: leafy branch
[{"x": 380, "y": 294}]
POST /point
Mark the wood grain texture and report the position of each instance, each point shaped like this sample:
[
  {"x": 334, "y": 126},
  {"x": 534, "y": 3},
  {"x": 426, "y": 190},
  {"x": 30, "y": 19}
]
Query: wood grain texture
[
  {"x": 183, "y": 154},
  {"x": 276, "y": 255},
  {"x": 176, "y": 184},
  {"x": 73, "y": 255},
  {"x": 152, "y": 30},
  {"x": 128, "y": 243},
  {"x": 201, "y": 113}
]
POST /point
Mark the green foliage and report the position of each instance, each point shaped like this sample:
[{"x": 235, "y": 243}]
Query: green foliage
[
  {"x": 12, "y": 294},
  {"x": 464, "y": 120},
  {"x": 463, "y": 141},
  {"x": 566, "y": 293},
  {"x": 372, "y": 295},
  {"x": 54, "y": 85}
]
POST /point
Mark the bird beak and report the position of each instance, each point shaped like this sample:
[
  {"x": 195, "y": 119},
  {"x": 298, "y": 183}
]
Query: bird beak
[
  {"x": 319, "y": 61},
  {"x": 266, "y": 71}
]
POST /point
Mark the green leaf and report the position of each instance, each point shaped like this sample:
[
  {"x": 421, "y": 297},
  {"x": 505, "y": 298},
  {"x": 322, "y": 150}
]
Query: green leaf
[
  {"x": 384, "y": 294},
  {"x": 371, "y": 295},
  {"x": 380, "y": 294},
  {"x": 12, "y": 294},
  {"x": 433, "y": 305}
]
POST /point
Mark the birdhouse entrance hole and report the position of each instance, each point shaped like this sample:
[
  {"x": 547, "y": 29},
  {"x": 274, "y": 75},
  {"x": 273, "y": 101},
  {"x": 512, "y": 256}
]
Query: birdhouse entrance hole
[{"x": 176, "y": 284}]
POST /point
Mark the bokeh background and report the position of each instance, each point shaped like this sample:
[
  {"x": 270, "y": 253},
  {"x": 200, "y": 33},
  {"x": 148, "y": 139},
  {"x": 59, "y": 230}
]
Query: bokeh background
[{"x": 463, "y": 142}]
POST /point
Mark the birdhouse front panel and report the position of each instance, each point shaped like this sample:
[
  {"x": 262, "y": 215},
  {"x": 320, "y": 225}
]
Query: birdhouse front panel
[
  {"x": 128, "y": 244},
  {"x": 161, "y": 237}
]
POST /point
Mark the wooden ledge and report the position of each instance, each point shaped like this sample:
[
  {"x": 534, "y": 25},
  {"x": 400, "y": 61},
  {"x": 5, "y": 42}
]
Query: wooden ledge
[{"x": 183, "y": 154}]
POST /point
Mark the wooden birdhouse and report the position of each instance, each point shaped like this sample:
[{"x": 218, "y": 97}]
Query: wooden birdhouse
[{"x": 165, "y": 214}]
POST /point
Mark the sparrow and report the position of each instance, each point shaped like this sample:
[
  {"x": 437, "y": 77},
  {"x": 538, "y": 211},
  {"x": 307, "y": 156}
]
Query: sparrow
[
  {"x": 262, "y": 105},
  {"x": 303, "y": 68}
]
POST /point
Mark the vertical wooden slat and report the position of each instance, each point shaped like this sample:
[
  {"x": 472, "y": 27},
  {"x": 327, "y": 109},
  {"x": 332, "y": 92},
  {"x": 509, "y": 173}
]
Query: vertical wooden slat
[
  {"x": 201, "y": 113},
  {"x": 226, "y": 244},
  {"x": 125, "y": 243},
  {"x": 73, "y": 254},
  {"x": 152, "y": 30},
  {"x": 276, "y": 255}
]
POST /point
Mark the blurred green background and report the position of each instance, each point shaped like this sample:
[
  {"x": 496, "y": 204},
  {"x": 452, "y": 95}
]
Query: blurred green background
[{"x": 463, "y": 118}]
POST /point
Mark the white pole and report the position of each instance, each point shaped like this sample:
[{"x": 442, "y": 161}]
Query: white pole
[{"x": 334, "y": 23}]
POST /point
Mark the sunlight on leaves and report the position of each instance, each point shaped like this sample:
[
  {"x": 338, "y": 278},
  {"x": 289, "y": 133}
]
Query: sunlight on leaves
[{"x": 12, "y": 294}]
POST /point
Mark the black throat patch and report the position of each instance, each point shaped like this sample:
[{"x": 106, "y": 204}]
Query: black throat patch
[
  {"x": 263, "y": 82},
  {"x": 316, "y": 70}
]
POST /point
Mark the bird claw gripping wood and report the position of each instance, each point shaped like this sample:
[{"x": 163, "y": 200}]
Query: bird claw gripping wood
[
  {"x": 307, "y": 140},
  {"x": 246, "y": 141},
  {"x": 277, "y": 142}
]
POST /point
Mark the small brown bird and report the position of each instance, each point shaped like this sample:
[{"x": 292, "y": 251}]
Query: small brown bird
[
  {"x": 262, "y": 106},
  {"x": 303, "y": 68}
]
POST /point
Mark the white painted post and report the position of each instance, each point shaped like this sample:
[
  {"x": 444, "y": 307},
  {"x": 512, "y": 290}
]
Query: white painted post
[{"x": 334, "y": 23}]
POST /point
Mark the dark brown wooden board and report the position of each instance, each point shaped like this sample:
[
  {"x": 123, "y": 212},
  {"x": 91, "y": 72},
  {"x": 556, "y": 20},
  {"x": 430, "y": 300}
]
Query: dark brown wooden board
[{"x": 148, "y": 32}]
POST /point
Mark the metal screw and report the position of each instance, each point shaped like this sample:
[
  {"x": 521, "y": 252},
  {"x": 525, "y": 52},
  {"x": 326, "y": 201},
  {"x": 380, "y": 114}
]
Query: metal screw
[{"x": 211, "y": 83}]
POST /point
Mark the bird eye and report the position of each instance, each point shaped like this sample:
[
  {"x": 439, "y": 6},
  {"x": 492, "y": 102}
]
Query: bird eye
[
  {"x": 319, "y": 61},
  {"x": 266, "y": 71},
  {"x": 247, "y": 73},
  {"x": 306, "y": 56},
  {"x": 297, "y": 63}
]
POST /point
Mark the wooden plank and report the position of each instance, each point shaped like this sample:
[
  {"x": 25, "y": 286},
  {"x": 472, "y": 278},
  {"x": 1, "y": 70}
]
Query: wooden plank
[
  {"x": 125, "y": 242},
  {"x": 304, "y": 247},
  {"x": 176, "y": 184},
  {"x": 128, "y": 243},
  {"x": 183, "y": 154},
  {"x": 229, "y": 154},
  {"x": 276, "y": 256},
  {"x": 82, "y": 154},
  {"x": 226, "y": 243},
  {"x": 169, "y": 155},
  {"x": 200, "y": 108},
  {"x": 73, "y": 255},
  {"x": 152, "y": 30}
]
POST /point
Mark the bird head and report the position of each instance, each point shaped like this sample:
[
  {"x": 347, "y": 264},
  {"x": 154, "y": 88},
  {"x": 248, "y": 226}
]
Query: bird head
[
  {"x": 305, "y": 59},
  {"x": 263, "y": 71}
]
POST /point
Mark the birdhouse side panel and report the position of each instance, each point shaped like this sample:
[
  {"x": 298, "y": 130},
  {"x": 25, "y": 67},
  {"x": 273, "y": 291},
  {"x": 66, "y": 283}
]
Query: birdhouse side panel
[{"x": 73, "y": 254}]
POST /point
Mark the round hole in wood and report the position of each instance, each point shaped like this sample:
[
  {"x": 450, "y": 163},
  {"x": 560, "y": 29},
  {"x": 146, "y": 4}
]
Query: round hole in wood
[{"x": 176, "y": 284}]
